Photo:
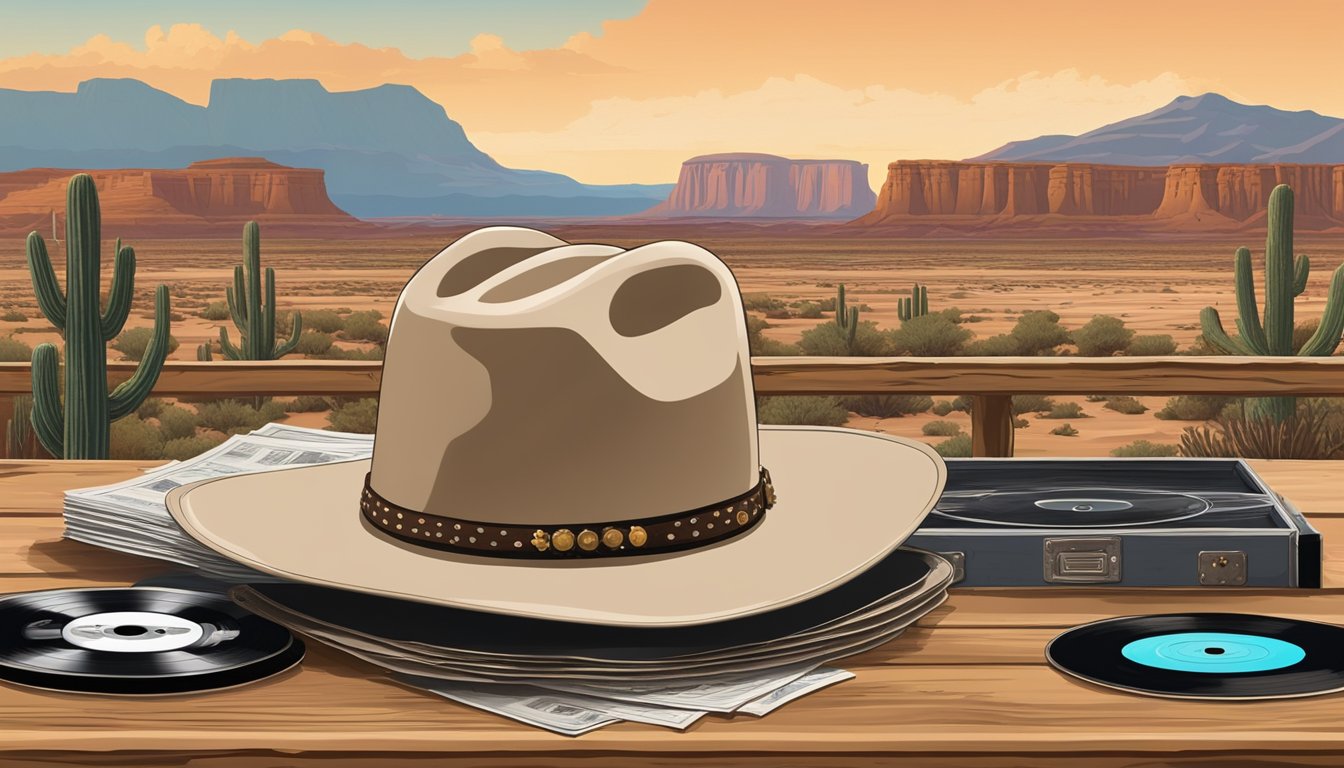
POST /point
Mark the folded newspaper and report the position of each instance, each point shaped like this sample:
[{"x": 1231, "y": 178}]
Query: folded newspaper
[{"x": 132, "y": 517}]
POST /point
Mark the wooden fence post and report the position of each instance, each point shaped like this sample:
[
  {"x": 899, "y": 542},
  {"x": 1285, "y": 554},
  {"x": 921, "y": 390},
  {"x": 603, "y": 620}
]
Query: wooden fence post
[{"x": 991, "y": 425}]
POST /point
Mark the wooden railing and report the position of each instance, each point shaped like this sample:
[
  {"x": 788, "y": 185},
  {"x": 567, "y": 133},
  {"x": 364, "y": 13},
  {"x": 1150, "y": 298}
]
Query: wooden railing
[{"x": 990, "y": 381}]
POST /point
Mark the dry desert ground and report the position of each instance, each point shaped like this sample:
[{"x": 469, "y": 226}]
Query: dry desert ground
[{"x": 1155, "y": 286}]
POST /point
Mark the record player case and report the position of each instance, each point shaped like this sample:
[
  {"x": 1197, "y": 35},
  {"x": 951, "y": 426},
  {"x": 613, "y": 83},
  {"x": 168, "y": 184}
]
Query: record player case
[{"x": 1118, "y": 522}]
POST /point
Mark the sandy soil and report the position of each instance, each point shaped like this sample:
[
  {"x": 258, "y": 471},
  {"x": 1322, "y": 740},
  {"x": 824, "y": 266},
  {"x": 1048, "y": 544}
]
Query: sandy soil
[{"x": 1156, "y": 287}]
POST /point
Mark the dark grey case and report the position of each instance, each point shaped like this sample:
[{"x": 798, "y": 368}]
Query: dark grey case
[{"x": 1118, "y": 522}]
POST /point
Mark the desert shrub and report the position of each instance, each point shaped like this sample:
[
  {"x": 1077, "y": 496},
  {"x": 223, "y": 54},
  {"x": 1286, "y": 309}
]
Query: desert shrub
[
  {"x": 308, "y": 404},
  {"x": 364, "y": 326},
  {"x": 176, "y": 422},
  {"x": 1126, "y": 405},
  {"x": 941, "y": 428},
  {"x": 216, "y": 310},
  {"x": 1032, "y": 404},
  {"x": 962, "y": 403},
  {"x": 1142, "y": 448},
  {"x": 1065, "y": 411},
  {"x": 827, "y": 304},
  {"x": 133, "y": 343},
  {"x": 1097, "y": 398},
  {"x": 1201, "y": 347},
  {"x": 313, "y": 343},
  {"x": 1038, "y": 333},
  {"x": 14, "y": 316},
  {"x": 929, "y": 336},
  {"x": 759, "y": 344},
  {"x": 150, "y": 407},
  {"x": 760, "y": 302},
  {"x": 1311, "y": 433},
  {"x": 1020, "y": 423},
  {"x": 1102, "y": 336},
  {"x": 337, "y": 353},
  {"x": 358, "y": 416},
  {"x": 802, "y": 409},
  {"x": 1064, "y": 430},
  {"x": 828, "y": 339},
  {"x": 322, "y": 321},
  {"x": 232, "y": 416},
  {"x": 809, "y": 311},
  {"x": 183, "y": 448},
  {"x": 13, "y": 350},
  {"x": 131, "y": 437},
  {"x": 1193, "y": 407},
  {"x": 1002, "y": 345},
  {"x": 942, "y": 408},
  {"x": 958, "y": 447},
  {"x": 887, "y": 406},
  {"x": 1158, "y": 344}
]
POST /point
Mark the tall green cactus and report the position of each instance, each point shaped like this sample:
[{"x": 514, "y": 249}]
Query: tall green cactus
[
  {"x": 915, "y": 306},
  {"x": 846, "y": 317},
  {"x": 19, "y": 429},
  {"x": 1285, "y": 279},
  {"x": 79, "y": 428},
  {"x": 255, "y": 319},
  {"x": 203, "y": 353}
]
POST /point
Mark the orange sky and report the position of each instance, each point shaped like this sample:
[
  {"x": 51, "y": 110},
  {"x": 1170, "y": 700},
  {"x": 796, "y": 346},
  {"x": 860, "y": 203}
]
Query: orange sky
[{"x": 869, "y": 80}]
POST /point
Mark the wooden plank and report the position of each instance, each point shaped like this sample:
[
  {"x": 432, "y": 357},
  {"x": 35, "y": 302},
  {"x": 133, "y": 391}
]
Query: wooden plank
[
  {"x": 832, "y": 759},
  {"x": 332, "y": 703},
  {"x": 1174, "y": 375},
  {"x": 36, "y": 487},
  {"x": 992, "y": 425},
  {"x": 1316, "y": 488},
  {"x": 34, "y": 546}
]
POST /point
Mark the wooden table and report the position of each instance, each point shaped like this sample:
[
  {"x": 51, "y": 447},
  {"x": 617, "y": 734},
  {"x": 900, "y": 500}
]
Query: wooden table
[{"x": 967, "y": 686}]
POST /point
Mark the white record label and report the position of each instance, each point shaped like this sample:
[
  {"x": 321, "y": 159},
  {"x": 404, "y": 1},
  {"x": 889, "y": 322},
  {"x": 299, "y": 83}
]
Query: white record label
[{"x": 132, "y": 632}]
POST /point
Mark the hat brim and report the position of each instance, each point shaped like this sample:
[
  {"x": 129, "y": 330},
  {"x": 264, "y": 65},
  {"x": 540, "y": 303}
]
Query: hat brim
[{"x": 845, "y": 499}]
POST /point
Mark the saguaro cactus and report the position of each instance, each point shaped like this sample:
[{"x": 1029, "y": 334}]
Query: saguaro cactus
[
  {"x": 846, "y": 317},
  {"x": 915, "y": 306},
  {"x": 79, "y": 428},
  {"x": 255, "y": 319},
  {"x": 1285, "y": 279}
]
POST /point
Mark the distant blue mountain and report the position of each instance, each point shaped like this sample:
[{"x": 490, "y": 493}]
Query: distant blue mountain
[
  {"x": 387, "y": 151},
  {"x": 1193, "y": 129}
]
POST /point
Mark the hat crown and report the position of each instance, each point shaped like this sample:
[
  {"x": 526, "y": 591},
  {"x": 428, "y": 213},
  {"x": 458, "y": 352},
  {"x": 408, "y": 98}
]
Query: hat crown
[{"x": 533, "y": 382}]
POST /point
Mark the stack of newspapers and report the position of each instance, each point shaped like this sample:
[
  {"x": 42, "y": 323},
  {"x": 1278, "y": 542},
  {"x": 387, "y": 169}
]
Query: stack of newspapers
[{"x": 559, "y": 683}]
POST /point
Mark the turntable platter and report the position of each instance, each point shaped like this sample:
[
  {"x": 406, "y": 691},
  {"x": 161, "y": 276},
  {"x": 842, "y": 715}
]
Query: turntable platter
[{"x": 1071, "y": 507}]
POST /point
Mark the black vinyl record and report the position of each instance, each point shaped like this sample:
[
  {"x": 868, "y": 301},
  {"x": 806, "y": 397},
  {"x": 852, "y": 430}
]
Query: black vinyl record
[
  {"x": 1071, "y": 507},
  {"x": 408, "y": 621},
  {"x": 137, "y": 640},
  {"x": 1205, "y": 656}
]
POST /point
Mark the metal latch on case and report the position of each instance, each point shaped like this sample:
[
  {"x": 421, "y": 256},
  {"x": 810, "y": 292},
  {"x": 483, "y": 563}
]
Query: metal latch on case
[
  {"x": 1222, "y": 569},
  {"x": 1090, "y": 560}
]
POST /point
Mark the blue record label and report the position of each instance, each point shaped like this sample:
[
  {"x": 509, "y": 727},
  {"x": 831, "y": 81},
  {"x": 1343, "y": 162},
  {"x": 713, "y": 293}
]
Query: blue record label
[{"x": 1218, "y": 653}]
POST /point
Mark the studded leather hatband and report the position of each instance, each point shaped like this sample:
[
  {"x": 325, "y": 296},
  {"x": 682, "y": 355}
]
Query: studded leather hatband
[{"x": 666, "y": 533}]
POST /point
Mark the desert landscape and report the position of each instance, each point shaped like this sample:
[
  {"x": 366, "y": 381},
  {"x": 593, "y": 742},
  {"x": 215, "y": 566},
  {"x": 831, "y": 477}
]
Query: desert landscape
[{"x": 1154, "y": 286}]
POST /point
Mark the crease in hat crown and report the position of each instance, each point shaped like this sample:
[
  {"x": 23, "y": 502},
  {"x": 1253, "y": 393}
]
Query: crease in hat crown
[{"x": 530, "y": 381}]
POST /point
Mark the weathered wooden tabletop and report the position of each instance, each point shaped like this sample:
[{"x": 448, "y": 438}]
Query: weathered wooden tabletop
[{"x": 967, "y": 686}]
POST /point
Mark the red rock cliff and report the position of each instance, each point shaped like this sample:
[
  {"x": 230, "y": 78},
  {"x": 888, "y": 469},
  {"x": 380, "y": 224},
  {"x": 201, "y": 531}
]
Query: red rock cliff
[
  {"x": 205, "y": 196},
  {"x": 755, "y": 185},
  {"x": 986, "y": 193}
]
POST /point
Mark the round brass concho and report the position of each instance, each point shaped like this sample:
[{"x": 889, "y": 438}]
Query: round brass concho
[{"x": 563, "y": 540}]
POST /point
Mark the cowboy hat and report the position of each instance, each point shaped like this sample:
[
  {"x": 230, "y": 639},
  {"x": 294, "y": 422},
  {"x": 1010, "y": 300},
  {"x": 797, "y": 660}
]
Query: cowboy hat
[{"x": 568, "y": 432}]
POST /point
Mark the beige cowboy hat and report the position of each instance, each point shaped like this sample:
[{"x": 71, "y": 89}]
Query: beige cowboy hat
[{"x": 569, "y": 432}]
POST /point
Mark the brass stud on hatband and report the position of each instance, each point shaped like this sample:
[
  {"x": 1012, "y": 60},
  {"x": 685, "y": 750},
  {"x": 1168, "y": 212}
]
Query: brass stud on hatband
[
  {"x": 563, "y": 540},
  {"x": 541, "y": 540},
  {"x": 587, "y": 540},
  {"x": 638, "y": 536},
  {"x": 743, "y": 517},
  {"x": 612, "y": 538}
]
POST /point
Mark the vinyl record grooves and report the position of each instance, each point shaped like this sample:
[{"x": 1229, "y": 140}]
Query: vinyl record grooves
[
  {"x": 1205, "y": 656},
  {"x": 137, "y": 641}
]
